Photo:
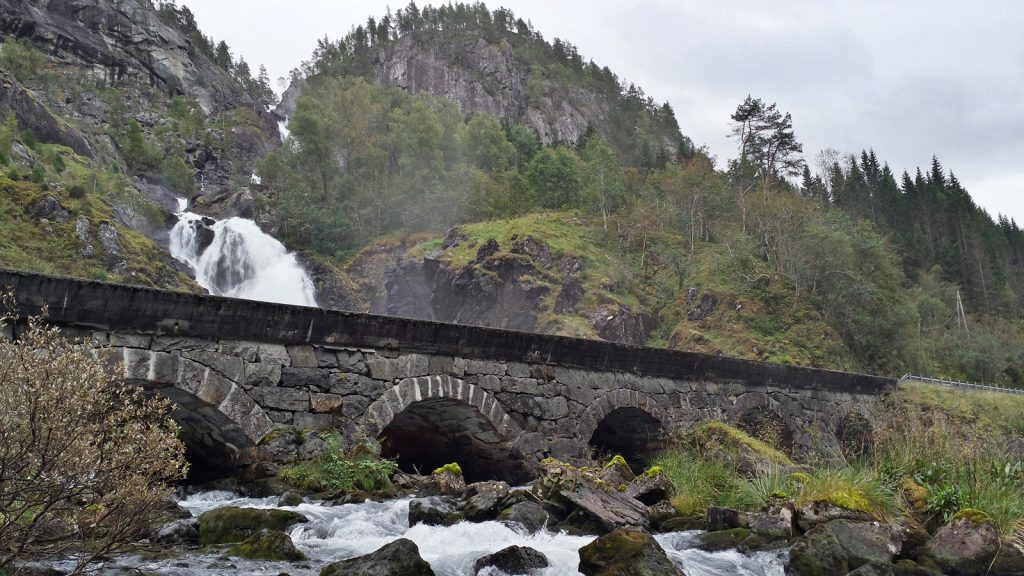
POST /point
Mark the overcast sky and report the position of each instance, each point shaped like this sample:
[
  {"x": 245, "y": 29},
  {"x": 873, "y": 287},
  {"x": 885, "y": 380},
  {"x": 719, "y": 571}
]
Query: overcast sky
[{"x": 911, "y": 79}]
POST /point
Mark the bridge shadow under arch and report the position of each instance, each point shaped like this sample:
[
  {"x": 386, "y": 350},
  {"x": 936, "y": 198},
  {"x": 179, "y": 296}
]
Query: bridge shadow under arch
[
  {"x": 624, "y": 422},
  {"x": 427, "y": 422}
]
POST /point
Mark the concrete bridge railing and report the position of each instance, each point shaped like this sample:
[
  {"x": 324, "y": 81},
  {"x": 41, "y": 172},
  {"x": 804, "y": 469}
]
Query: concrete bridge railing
[{"x": 250, "y": 381}]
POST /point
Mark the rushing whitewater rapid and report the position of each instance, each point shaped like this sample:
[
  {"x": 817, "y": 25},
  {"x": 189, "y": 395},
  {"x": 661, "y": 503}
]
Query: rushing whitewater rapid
[
  {"x": 235, "y": 258},
  {"x": 339, "y": 532}
]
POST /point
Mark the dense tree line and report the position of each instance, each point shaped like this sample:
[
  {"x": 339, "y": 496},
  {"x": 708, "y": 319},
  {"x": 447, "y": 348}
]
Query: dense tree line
[{"x": 880, "y": 260}]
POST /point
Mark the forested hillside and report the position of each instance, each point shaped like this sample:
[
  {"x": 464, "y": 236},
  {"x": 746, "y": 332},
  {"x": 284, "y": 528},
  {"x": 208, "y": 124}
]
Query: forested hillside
[
  {"x": 451, "y": 163},
  {"x": 827, "y": 259}
]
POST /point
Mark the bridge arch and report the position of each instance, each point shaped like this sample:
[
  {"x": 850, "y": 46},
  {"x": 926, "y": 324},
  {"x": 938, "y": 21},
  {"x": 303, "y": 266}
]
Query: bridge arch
[
  {"x": 221, "y": 425},
  {"x": 625, "y": 422},
  {"x": 429, "y": 421}
]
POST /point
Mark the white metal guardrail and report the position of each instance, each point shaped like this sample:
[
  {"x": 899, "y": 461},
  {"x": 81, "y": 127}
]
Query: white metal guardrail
[{"x": 959, "y": 384}]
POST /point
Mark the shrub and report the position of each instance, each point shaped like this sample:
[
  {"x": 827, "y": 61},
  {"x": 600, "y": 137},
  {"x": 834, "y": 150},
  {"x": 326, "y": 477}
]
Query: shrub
[
  {"x": 85, "y": 460},
  {"x": 77, "y": 191},
  {"x": 335, "y": 470}
]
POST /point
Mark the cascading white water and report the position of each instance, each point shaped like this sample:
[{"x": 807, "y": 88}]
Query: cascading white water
[
  {"x": 338, "y": 532},
  {"x": 235, "y": 258},
  {"x": 282, "y": 127}
]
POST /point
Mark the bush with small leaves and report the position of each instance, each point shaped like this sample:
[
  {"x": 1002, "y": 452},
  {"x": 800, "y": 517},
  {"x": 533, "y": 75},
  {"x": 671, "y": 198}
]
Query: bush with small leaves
[{"x": 85, "y": 459}]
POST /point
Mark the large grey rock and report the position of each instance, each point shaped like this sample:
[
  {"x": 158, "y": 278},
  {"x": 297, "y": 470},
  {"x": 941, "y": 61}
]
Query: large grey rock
[
  {"x": 965, "y": 548},
  {"x": 483, "y": 500},
  {"x": 530, "y": 515},
  {"x": 281, "y": 398},
  {"x": 514, "y": 560},
  {"x": 840, "y": 546},
  {"x": 399, "y": 558}
]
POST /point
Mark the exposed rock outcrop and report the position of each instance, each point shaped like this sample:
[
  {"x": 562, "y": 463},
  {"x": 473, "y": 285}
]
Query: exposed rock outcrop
[{"x": 119, "y": 39}]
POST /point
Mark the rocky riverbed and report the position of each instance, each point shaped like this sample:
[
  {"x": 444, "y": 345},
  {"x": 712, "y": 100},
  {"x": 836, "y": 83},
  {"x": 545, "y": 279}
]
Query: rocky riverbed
[{"x": 338, "y": 532}]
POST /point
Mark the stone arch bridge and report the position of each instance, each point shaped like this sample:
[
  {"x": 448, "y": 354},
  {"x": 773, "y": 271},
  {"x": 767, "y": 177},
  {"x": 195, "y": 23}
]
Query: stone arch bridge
[{"x": 252, "y": 382}]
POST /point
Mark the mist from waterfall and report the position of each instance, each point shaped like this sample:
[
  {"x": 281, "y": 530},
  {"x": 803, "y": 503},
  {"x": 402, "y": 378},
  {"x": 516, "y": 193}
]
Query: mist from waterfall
[{"x": 234, "y": 258}]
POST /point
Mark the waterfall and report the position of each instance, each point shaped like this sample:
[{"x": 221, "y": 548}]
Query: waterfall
[
  {"x": 233, "y": 257},
  {"x": 282, "y": 127}
]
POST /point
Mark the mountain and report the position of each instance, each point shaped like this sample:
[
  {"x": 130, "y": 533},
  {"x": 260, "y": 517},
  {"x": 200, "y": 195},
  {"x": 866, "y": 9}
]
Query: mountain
[
  {"x": 496, "y": 64},
  {"x": 451, "y": 164}
]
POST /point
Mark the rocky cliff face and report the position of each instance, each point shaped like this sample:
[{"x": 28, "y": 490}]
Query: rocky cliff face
[
  {"x": 484, "y": 77},
  {"x": 519, "y": 286},
  {"x": 117, "y": 61},
  {"x": 120, "y": 41},
  {"x": 481, "y": 77}
]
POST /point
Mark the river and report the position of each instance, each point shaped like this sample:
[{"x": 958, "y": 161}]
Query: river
[{"x": 339, "y": 532}]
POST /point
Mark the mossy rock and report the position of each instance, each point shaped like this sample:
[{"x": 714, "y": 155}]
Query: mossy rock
[
  {"x": 233, "y": 524},
  {"x": 723, "y": 539},
  {"x": 268, "y": 545},
  {"x": 626, "y": 552}
]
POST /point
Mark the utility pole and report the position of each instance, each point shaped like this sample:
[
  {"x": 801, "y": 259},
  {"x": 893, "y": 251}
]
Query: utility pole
[{"x": 961, "y": 317}]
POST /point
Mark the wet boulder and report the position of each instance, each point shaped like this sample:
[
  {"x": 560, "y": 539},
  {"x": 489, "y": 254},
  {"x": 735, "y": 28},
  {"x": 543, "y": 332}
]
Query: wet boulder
[
  {"x": 290, "y": 498},
  {"x": 722, "y": 539},
  {"x": 445, "y": 481},
  {"x": 434, "y": 511},
  {"x": 399, "y": 558},
  {"x": 626, "y": 552},
  {"x": 513, "y": 561},
  {"x": 483, "y": 500},
  {"x": 268, "y": 545},
  {"x": 181, "y": 531},
  {"x": 530, "y": 515},
  {"x": 232, "y": 524}
]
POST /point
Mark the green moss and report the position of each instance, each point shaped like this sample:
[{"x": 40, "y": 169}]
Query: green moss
[
  {"x": 654, "y": 472},
  {"x": 856, "y": 488},
  {"x": 973, "y": 515},
  {"x": 617, "y": 461},
  {"x": 451, "y": 468}
]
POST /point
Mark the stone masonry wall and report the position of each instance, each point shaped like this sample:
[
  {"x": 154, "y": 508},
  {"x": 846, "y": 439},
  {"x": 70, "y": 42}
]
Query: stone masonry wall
[{"x": 257, "y": 400}]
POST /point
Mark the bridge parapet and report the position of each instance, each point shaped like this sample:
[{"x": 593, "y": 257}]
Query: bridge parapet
[{"x": 255, "y": 377}]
